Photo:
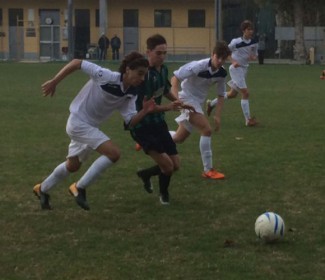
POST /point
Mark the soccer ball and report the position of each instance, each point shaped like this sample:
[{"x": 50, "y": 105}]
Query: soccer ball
[{"x": 269, "y": 227}]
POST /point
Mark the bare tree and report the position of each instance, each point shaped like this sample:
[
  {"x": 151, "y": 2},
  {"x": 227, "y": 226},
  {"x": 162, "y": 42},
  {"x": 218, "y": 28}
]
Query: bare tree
[
  {"x": 299, "y": 51},
  {"x": 298, "y": 13}
]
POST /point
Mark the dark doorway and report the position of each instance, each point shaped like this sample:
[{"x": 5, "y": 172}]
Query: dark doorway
[
  {"x": 130, "y": 30},
  {"x": 16, "y": 33},
  {"x": 82, "y": 32}
]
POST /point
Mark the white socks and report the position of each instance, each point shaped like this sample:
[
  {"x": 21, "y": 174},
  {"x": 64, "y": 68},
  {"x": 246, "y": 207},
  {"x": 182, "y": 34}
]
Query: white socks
[
  {"x": 94, "y": 171},
  {"x": 172, "y": 133},
  {"x": 61, "y": 172},
  {"x": 58, "y": 174},
  {"x": 244, "y": 105},
  {"x": 206, "y": 152},
  {"x": 214, "y": 102},
  {"x": 245, "y": 108}
]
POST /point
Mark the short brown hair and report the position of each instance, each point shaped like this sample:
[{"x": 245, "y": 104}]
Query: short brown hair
[
  {"x": 133, "y": 60},
  {"x": 221, "y": 49},
  {"x": 246, "y": 24},
  {"x": 155, "y": 40}
]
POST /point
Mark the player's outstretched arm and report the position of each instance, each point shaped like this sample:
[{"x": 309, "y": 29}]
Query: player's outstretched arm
[
  {"x": 148, "y": 106},
  {"x": 48, "y": 88},
  {"x": 175, "y": 86},
  {"x": 322, "y": 76}
]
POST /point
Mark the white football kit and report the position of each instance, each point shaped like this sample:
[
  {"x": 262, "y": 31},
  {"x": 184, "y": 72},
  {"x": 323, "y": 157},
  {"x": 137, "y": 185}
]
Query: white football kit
[
  {"x": 97, "y": 100},
  {"x": 196, "y": 78},
  {"x": 241, "y": 50}
]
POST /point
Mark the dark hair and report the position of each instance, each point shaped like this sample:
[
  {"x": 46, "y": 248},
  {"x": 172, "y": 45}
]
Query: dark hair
[
  {"x": 133, "y": 60},
  {"x": 155, "y": 40},
  {"x": 221, "y": 49},
  {"x": 246, "y": 24}
]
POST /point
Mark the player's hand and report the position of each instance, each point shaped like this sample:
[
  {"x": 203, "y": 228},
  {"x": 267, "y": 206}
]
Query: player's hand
[
  {"x": 322, "y": 76},
  {"x": 48, "y": 88},
  {"x": 217, "y": 123},
  {"x": 253, "y": 57},
  {"x": 188, "y": 107},
  {"x": 235, "y": 64},
  {"x": 149, "y": 105},
  {"x": 175, "y": 105},
  {"x": 178, "y": 105}
]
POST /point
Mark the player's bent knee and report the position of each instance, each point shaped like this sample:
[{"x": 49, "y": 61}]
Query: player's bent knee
[
  {"x": 246, "y": 95},
  {"x": 114, "y": 156},
  {"x": 73, "y": 166},
  {"x": 167, "y": 170},
  {"x": 207, "y": 132},
  {"x": 176, "y": 167}
]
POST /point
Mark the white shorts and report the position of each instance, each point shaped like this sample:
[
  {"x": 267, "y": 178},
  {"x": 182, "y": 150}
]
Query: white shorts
[
  {"x": 238, "y": 77},
  {"x": 84, "y": 138},
  {"x": 184, "y": 117}
]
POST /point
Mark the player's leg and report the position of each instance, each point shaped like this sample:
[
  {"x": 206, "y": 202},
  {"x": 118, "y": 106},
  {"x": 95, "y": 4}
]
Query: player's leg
[
  {"x": 72, "y": 164},
  {"x": 237, "y": 75},
  {"x": 167, "y": 166},
  {"x": 143, "y": 136},
  {"x": 146, "y": 174},
  {"x": 59, "y": 174},
  {"x": 245, "y": 104},
  {"x": 181, "y": 134},
  {"x": 232, "y": 93},
  {"x": 85, "y": 139},
  {"x": 200, "y": 122},
  {"x": 164, "y": 180},
  {"x": 109, "y": 154},
  {"x": 185, "y": 128},
  {"x": 210, "y": 104},
  {"x": 239, "y": 79},
  {"x": 173, "y": 162},
  {"x": 162, "y": 150},
  {"x": 249, "y": 121}
]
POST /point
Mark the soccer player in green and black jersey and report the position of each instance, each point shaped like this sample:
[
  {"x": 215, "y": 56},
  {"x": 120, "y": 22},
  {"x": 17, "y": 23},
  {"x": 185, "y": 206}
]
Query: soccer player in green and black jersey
[{"x": 152, "y": 133}]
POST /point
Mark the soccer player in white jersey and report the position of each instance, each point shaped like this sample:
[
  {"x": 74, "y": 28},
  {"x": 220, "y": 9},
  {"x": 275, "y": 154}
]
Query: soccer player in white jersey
[
  {"x": 191, "y": 84},
  {"x": 243, "y": 50},
  {"x": 104, "y": 93}
]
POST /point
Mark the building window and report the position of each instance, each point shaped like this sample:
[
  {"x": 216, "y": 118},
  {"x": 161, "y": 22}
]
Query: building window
[
  {"x": 97, "y": 18},
  {"x": 130, "y": 18},
  {"x": 196, "y": 18},
  {"x": 16, "y": 17},
  {"x": 163, "y": 18}
]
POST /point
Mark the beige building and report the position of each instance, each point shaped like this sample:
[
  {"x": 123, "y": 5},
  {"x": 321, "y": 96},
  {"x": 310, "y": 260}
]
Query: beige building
[{"x": 38, "y": 29}]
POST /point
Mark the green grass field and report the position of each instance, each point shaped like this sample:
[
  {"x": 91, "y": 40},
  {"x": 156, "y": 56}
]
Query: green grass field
[{"x": 207, "y": 232}]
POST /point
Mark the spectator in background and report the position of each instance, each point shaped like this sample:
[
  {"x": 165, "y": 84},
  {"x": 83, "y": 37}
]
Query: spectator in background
[
  {"x": 116, "y": 44},
  {"x": 103, "y": 44}
]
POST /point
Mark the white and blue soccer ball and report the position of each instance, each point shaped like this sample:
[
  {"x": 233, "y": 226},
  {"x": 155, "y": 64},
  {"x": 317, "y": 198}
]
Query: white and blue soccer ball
[{"x": 269, "y": 227}]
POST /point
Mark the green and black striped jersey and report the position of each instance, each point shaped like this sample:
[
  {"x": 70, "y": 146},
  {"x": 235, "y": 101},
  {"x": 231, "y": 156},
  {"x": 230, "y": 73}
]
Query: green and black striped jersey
[{"x": 156, "y": 85}]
